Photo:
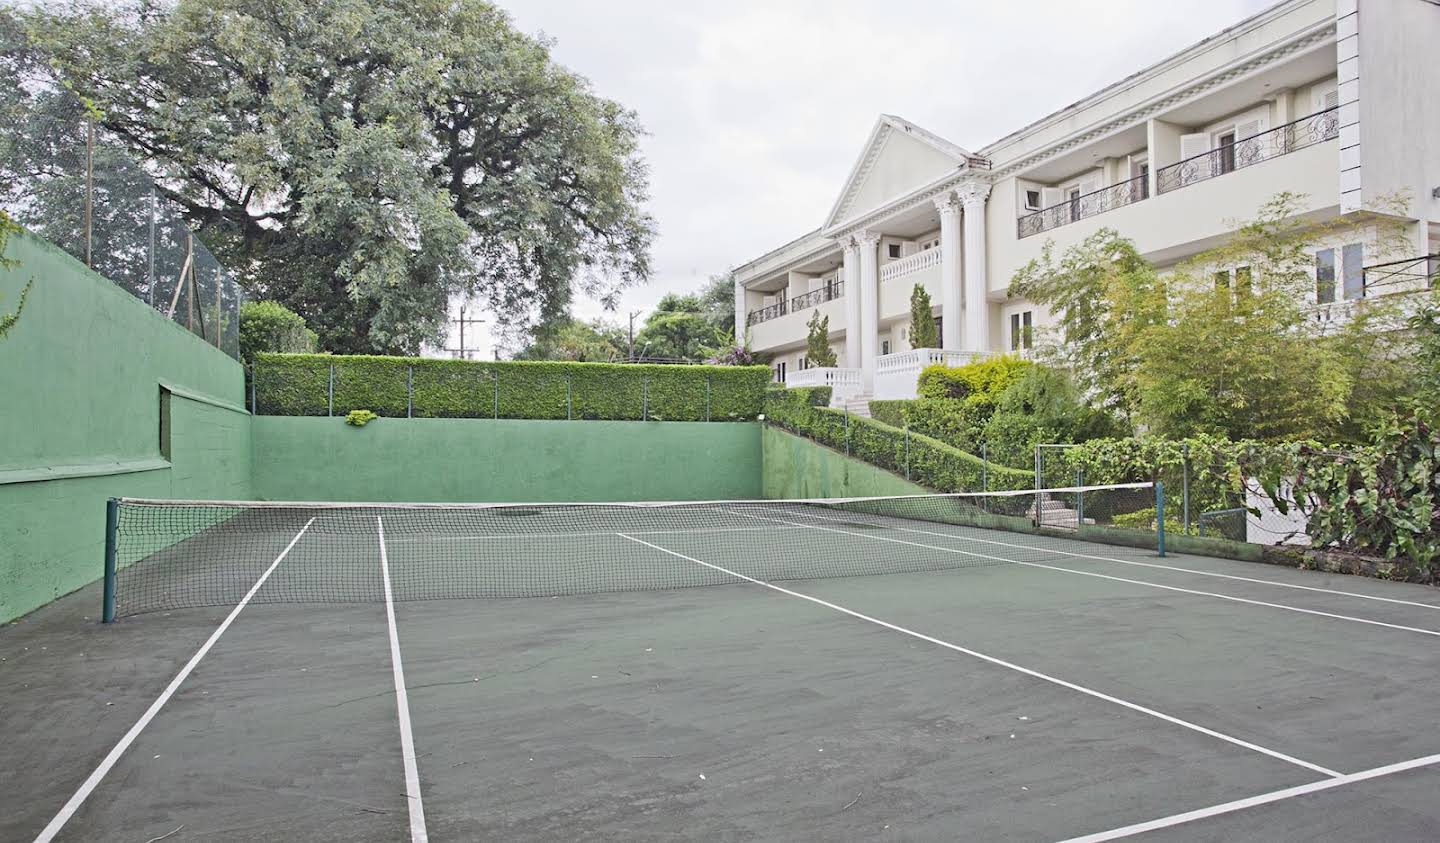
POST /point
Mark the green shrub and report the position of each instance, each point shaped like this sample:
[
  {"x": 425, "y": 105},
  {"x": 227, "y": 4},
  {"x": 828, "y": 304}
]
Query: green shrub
[
  {"x": 989, "y": 376},
  {"x": 300, "y": 384},
  {"x": 271, "y": 326},
  {"x": 360, "y": 418},
  {"x": 931, "y": 463}
]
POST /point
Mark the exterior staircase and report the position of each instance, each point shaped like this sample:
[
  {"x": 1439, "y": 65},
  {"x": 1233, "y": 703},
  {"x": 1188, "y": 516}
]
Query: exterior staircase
[
  {"x": 1056, "y": 513},
  {"x": 857, "y": 405}
]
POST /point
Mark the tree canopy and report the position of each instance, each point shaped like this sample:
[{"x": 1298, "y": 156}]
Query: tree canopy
[{"x": 362, "y": 161}]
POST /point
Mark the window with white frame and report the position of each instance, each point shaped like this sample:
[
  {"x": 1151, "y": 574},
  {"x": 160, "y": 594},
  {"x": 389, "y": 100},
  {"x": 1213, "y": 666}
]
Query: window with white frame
[
  {"x": 1022, "y": 332},
  {"x": 1352, "y": 268},
  {"x": 1325, "y": 276},
  {"x": 884, "y": 346},
  {"x": 780, "y": 372},
  {"x": 893, "y": 250},
  {"x": 1032, "y": 200}
]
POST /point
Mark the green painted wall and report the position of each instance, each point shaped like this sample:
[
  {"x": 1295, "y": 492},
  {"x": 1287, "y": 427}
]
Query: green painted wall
[
  {"x": 795, "y": 467},
  {"x": 80, "y": 386},
  {"x": 297, "y": 458}
]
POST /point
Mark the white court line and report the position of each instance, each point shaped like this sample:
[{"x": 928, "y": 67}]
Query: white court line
[
  {"x": 402, "y": 703},
  {"x": 88, "y": 786},
  {"x": 1253, "y": 801},
  {"x": 502, "y": 536},
  {"x": 1176, "y": 588},
  {"x": 1154, "y": 565},
  {"x": 1002, "y": 663}
]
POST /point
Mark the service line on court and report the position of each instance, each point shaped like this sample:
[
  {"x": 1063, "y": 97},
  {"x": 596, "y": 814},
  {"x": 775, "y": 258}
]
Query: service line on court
[
  {"x": 1001, "y": 662},
  {"x": 57, "y": 823},
  {"x": 1176, "y": 588},
  {"x": 1140, "y": 564},
  {"x": 418, "y": 833},
  {"x": 1254, "y": 801}
]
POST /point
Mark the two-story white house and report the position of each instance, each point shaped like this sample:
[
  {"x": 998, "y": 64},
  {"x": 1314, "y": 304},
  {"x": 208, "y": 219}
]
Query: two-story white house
[{"x": 1335, "y": 99}]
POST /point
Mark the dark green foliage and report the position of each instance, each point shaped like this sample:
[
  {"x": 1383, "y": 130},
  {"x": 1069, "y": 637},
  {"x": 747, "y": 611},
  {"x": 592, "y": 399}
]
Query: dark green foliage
[
  {"x": 922, "y": 320},
  {"x": 817, "y": 341},
  {"x": 297, "y": 385},
  {"x": 678, "y": 329},
  {"x": 931, "y": 463},
  {"x": 271, "y": 326},
  {"x": 1425, "y": 324}
]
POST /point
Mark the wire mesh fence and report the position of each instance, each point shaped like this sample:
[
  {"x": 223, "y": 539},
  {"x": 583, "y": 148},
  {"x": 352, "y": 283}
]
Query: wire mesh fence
[{"x": 65, "y": 179}]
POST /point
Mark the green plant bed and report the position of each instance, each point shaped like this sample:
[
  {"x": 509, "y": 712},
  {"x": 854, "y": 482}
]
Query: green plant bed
[{"x": 301, "y": 384}]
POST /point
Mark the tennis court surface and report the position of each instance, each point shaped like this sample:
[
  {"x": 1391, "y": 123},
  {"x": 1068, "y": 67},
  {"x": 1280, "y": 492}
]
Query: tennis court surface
[{"x": 898, "y": 668}]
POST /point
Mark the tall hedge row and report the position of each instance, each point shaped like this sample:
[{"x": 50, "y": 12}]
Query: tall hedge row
[
  {"x": 300, "y": 385},
  {"x": 926, "y": 461}
]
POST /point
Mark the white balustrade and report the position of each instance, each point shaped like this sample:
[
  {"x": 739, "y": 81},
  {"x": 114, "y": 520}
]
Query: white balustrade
[
  {"x": 897, "y": 376},
  {"x": 913, "y": 263},
  {"x": 843, "y": 382}
]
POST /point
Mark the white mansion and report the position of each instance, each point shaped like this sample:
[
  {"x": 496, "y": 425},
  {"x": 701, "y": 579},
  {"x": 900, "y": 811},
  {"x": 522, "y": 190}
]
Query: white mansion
[{"x": 1335, "y": 99}]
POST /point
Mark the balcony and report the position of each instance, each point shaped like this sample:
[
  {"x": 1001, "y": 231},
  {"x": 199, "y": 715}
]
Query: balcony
[
  {"x": 765, "y": 314},
  {"x": 1082, "y": 207},
  {"x": 910, "y": 264},
  {"x": 832, "y": 290},
  {"x": 898, "y": 375},
  {"x": 843, "y": 383},
  {"x": 1282, "y": 140}
]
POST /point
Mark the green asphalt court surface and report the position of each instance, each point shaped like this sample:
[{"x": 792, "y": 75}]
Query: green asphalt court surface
[{"x": 1084, "y": 691}]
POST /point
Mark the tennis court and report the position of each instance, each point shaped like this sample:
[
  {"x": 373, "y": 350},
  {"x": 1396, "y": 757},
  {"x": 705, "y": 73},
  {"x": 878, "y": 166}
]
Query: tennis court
[{"x": 898, "y": 668}]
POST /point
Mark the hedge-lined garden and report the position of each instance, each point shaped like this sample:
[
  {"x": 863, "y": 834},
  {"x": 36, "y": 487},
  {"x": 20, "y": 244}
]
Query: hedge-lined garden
[
  {"x": 924, "y": 460},
  {"x": 302, "y": 384}
]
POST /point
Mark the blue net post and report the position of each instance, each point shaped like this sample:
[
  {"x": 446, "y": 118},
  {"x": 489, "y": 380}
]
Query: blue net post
[
  {"x": 112, "y": 525},
  {"x": 1160, "y": 516}
]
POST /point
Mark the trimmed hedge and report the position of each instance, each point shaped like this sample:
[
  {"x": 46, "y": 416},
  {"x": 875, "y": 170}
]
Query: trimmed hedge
[
  {"x": 299, "y": 385},
  {"x": 929, "y": 462}
]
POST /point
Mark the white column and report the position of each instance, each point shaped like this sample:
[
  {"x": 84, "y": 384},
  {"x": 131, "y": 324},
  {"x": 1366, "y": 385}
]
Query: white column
[
  {"x": 950, "y": 297},
  {"x": 741, "y": 330},
  {"x": 852, "y": 302},
  {"x": 869, "y": 306},
  {"x": 977, "y": 305}
]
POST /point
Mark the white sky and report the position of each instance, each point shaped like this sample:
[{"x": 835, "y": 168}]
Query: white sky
[{"x": 757, "y": 109}]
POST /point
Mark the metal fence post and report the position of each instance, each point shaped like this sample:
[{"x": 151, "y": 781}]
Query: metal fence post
[
  {"x": 410, "y": 392},
  {"x": 707, "y": 397},
  {"x": 253, "y": 405},
  {"x": 150, "y": 260},
  {"x": 645, "y": 399},
  {"x": 496, "y": 376},
  {"x": 112, "y": 523},
  {"x": 907, "y": 450},
  {"x": 1038, "y": 466},
  {"x": 330, "y": 393},
  {"x": 847, "y": 430},
  {"x": 1079, "y": 497},
  {"x": 1160, "y": 516},
  {"x": 984, "y": 466},
  {"x": 569, "y": 398},
  {"x": 1185, "y": 486}
]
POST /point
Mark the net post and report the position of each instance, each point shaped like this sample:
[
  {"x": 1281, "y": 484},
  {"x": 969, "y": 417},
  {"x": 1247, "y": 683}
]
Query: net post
[
  {"x": 112, "y": 527},
  {"x": 330, "y": 393},
  {"x": 410, "y": 391},
  {"x": 1039, "y": 521},
  {"x": 1160, "y": 516},
  {"x": 1079, "y": 498},
  {"x": 1185, "y": 486}
]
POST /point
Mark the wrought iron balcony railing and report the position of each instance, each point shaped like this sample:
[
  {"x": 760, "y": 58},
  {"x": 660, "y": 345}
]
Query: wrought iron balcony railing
[
  {"x": 831, "y": 291},
  {"x": 1281, "y": 140},
  {"x": 1096, "y": 202},
  {"x": 765, "y": 314}
]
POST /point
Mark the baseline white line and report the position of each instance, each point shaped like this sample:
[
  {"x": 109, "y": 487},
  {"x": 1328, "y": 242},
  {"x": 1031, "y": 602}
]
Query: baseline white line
[
  {"x": 418, "y": 833},
  {"x": 1002, "y": 663},
  {"x": 1258, "y": 580},
  {"x": 1176, "y": 588},
  {"x": 1253, "y": 801},
  {"x": 48, "y": 833}
]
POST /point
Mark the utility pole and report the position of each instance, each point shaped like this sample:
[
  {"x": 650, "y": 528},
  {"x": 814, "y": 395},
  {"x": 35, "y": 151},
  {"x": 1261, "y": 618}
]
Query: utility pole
[
  {"x": 630, "y": 351},
  {"x": 463, "y": 352}
]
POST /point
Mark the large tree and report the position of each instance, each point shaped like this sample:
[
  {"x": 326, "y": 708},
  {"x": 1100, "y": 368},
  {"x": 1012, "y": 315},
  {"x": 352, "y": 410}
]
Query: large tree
[{"x": 362, "y": 160}]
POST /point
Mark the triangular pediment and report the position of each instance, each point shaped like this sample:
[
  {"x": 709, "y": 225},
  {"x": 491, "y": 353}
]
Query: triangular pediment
[{"x": 898, "y": 158}]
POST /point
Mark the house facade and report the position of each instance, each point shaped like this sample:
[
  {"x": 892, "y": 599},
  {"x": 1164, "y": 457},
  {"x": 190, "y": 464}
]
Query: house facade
[{"x": 1333, "y": 99}]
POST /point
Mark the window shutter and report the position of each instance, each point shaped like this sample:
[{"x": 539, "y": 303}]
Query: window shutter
[
  {"x": 1192, "y": 145},
  {"x": 1325, "y": 96}
]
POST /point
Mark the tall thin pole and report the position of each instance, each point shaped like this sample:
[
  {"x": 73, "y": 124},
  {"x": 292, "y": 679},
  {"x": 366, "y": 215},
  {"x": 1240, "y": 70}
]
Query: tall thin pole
[
  {"x": 112, "y": 523},
  {"x": 150, "y": 262},
  {"x": 89, "y": 191}
]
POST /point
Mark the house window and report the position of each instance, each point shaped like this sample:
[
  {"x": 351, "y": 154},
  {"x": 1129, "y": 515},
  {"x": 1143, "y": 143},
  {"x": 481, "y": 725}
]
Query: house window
[
  {"x": 1242, "y": 282},
  {"x": 780, "y": 372},
  {"x": 1352, "y": 263},
  {"x": 1022, "y": 332},
  {"x": 884, "y": 346},
  {"x": 1074, "y": 204},
  {"x": 1032, "y": 200},
  {"x": 1222, "y": 281},
  {"x": 1142, "y": 187},
  {"x": 803, "y": 365},
  {"x": 893, "y": 250},
  {"x": 1325, "y": 276}
]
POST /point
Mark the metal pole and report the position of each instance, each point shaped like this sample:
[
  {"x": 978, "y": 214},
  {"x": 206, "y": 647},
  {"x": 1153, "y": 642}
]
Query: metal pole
[
  {"x": 847, "y": 430},
  {"x": 645, "y": 399},
  {"x": 89, "y": 190},
  {"x": 984, "y": 466},
  {"x": 1037, "y": 485},
  {"x": 569, "y": 398},
  {"x": 112, "y": 524},
  {"x": 1079, "y": 498},
  {"x": 150, "y": 263},
  {"x": 496, "y": 376},
  {"x": 1160, "y": 515},
  {"x": 330, "y": 392},
  {"x": 252, "y": 390},
  {"x": 707, "y": 397},
  {"x": 907, "y": 450},
  {"x": 410, "y": 391},
  {"x": 1185, "y": 487}
]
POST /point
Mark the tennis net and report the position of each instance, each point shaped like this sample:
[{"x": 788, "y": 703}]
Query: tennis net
[{"x": 166, "y": 554}]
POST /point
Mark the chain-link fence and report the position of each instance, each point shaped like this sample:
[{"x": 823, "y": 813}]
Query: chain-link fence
[{"x": 68, "y": 181}]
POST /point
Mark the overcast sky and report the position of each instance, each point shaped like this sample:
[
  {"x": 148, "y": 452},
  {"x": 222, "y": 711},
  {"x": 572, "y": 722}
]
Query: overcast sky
[{"x": 757, "y": 109}]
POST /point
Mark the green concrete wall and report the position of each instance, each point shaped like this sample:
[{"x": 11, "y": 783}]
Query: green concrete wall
[
  {"x": 795, "y": 467},
  {"x": 81, "y": 377},
  {"x": 297, "y": 458}
]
